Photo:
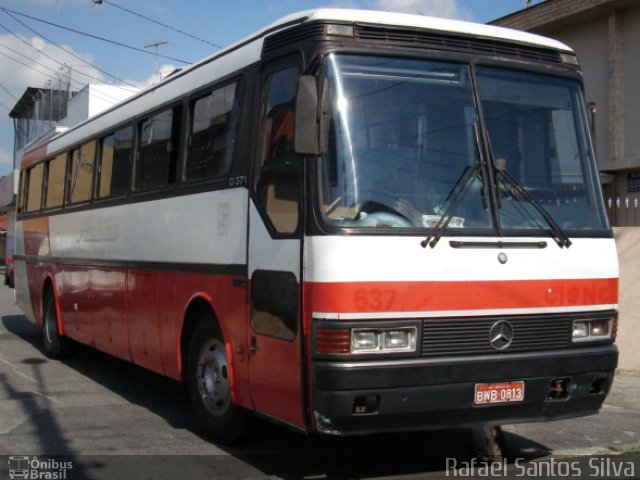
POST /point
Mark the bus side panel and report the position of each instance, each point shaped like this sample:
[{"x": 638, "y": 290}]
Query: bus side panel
[
  {"x": 36, "y": 243},
  {"x": 75, "y": 303},
  {"x": 109, "y": 311},
  {"x": 150, "y": 298},
  {"x": 23, "y": 295},
  {"x": 229, "y": 301},
  {"x": 35, "y": 278}
]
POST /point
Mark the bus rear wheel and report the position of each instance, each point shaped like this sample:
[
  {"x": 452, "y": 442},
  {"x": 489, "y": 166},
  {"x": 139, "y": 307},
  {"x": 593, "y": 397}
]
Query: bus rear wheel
[
  {"x": 55, "y": 345},
  {"x": 210, "y": 385}
]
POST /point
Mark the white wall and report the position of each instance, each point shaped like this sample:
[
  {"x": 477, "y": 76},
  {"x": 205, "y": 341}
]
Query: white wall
[
  {"x": 92, "y": 100},
  {"x": 628, "y": 243}
]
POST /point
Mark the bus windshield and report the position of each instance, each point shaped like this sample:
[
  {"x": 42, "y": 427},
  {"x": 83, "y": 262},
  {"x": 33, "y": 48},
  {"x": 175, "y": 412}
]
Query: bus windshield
[
  {"x": 539, "y": 137},
  {"x": 404, "y": 148}
]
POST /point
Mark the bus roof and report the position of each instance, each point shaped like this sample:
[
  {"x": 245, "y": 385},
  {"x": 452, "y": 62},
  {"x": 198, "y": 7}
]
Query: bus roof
[
  {"x": 248, "y": 50},
  {"x": 376, "y": 17},
  {"x": 421, "y": 21}
]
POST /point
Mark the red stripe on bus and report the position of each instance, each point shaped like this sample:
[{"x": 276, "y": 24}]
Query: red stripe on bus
[{"x": 350, "y": 297}]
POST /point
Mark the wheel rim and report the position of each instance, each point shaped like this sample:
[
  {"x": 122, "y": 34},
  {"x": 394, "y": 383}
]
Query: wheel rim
[{"x": 213, "y": 378}]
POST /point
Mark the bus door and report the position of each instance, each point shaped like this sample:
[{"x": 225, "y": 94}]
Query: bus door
[{"x": 274, "y": 255}]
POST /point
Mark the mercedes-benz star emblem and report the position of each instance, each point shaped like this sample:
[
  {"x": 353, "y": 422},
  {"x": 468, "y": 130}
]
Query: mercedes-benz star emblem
[{"x": 501, "y": 335}]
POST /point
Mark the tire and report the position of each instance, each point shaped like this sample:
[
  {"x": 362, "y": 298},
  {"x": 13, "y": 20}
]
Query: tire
[
  {"x": 55, "y": 345},
  {"x": 210, "y": 387}
]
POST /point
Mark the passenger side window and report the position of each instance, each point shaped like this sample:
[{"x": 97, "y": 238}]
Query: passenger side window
[
  {"x": 56, "y": 173},
  {"x": 212, "y": 135},
  {"x": 158, "y": 150},
  {"x": 22, "y": 196},
  {"x": 81, "y": 173},
  {"x": 277, "y": 178},
  {"x": 115, "y": 163},
  {"x": 34, "y": 194}
]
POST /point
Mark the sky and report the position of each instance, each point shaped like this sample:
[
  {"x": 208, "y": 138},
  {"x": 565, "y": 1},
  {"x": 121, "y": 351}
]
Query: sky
[{"x": 33, "y": 52}]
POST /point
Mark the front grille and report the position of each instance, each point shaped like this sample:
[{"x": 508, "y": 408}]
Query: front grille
[
  {"x": 471, "y": 336},
  {"x": 439, "y": 41}
]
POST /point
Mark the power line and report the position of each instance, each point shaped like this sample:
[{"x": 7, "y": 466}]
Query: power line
[
  {"x": 31, "y": 66},
  {"x": 46, "y": 55},
  {"x": 109, "y": 2},
  {"x": 7, "y": 90},
  {"x": 113, "y": 42},
  {"x": 77, "y": 83},
  {"x": 103, "y": 96},
  {"x": 61, "y": 48}
]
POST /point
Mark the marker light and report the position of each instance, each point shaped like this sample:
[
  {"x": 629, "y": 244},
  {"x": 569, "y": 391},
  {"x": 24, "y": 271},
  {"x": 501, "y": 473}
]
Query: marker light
[{"x": 569, "y": 58}]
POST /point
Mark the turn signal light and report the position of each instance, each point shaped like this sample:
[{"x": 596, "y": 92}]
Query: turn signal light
[
  {"x": 333, "y": 341},
  {"x": 383, "y": 340}
]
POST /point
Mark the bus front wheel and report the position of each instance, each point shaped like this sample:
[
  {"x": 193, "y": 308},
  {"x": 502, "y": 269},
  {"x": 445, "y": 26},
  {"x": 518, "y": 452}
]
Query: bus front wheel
[
  {"x": 55, "y": 344},
  {"x": 210, "y": 385}
]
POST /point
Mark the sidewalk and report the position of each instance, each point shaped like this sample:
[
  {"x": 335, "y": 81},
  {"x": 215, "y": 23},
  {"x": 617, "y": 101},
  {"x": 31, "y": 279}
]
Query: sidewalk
[{"x": 616, "y": 429}]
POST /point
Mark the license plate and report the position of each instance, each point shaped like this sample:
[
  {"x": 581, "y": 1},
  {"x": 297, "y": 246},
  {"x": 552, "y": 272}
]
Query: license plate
[{"x": 499, "y": 392}]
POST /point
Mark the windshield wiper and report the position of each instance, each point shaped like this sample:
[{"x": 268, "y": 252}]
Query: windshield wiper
[
  {"x": 456, "y": 195},
  {"x": 557, "y": 233}
]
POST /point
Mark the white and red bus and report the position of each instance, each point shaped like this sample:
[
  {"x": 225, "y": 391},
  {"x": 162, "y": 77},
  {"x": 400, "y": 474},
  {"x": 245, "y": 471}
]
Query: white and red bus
[{"x": 350, "y": 222}]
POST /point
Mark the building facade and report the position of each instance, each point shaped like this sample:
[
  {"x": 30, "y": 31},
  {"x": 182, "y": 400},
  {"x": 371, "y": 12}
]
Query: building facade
[{"x": 605, "y": 35}]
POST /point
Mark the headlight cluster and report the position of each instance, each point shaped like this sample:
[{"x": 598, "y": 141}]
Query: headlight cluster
[
  {"x": 592, "y": 330},
  {"x": 382, "y": 341},
  {"x": 367, "y": 340}
]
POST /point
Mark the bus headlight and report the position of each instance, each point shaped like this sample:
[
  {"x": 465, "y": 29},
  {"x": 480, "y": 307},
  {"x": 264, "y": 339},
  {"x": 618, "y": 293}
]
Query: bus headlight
[
  {"x": 580, "y": 330},
  {"x": 383, "y": 340},
  {"x": 592, "y": 330},
  {"x": 364, "y": 340},
  {"x": 397, "y": 339},
  {"x": 351, "y": 338}
]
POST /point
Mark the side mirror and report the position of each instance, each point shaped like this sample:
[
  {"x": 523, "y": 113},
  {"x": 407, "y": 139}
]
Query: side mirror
[{"x": 312, "y": 115}]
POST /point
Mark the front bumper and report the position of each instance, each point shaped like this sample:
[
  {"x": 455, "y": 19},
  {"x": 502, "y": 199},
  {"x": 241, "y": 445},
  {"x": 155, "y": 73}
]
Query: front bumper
[{"x": 419, "y": 394}]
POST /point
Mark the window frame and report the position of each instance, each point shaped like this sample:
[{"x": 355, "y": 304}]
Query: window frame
[
  {"x": 69, "y": 178},
  {"x": 48, "y": 161},
  {"x": 258, "y": 160},
  {"x": 190, "y": 102},
  {"x": 22, "y": 192},
  {"x": 178, "y": 150},
  {"x": 28, "y": 191},
  {"x": 98, "y": 170}
]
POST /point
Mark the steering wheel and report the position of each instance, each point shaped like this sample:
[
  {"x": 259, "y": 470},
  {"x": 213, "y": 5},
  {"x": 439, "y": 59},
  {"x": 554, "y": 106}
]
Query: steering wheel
[{"x": 379, "y": 206}]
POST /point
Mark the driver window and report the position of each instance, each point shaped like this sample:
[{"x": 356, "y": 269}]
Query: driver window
[{"x": 277, "y": 179}]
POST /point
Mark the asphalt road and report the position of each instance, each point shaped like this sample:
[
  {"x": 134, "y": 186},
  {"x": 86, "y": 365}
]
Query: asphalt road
[{"x": 112, "y": 419}]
